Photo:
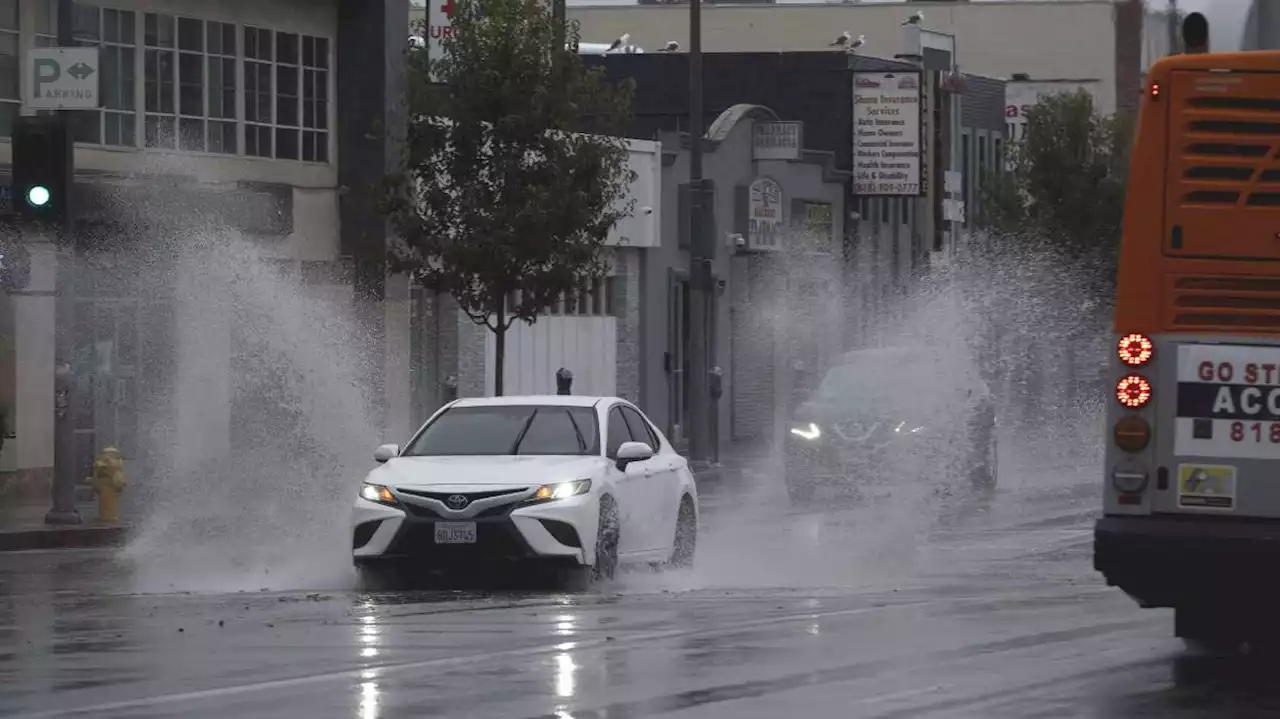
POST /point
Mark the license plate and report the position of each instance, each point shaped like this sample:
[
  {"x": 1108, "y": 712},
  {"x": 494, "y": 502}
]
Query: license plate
[{"x": 455, "y": 533}]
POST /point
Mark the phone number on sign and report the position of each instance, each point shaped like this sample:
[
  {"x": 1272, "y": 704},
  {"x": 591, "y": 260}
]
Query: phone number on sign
[
  {"x": 1255, "y": 432},
  {"x": 888, "y": 188}
]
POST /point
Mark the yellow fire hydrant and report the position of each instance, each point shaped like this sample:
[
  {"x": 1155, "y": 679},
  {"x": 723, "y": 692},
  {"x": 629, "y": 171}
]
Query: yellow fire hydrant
[{"x": 108, "y": 481}]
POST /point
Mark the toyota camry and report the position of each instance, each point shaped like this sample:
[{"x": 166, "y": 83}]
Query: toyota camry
[{"x": 587, "y": 482}]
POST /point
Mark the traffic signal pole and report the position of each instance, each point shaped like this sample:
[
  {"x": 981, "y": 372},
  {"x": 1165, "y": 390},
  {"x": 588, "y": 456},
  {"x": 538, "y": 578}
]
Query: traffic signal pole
[{"x": 64, "y": 458}]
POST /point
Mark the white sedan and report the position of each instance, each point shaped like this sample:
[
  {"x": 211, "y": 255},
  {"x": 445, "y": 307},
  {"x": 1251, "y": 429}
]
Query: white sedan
[{"x": 585, "y": 481}]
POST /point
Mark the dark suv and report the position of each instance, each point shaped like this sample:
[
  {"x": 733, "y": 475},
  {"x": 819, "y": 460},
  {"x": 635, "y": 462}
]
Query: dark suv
[{"x": 891, "y": 414}]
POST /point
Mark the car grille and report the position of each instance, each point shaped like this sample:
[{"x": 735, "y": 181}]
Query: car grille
[
  {"x": 857, "y": 431},
  {"x": 472, "y": 497}
]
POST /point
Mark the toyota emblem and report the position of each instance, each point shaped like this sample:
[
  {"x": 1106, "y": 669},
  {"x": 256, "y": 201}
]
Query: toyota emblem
[{"x": 457, "y": 501}]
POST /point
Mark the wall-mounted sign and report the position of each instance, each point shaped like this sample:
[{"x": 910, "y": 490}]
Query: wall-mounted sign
[
  {"x": 764, "y": 214},
  {"x": 777, "y": 140},
  {"x": 1022, "y": 95},
  {"x": 439, "y": 26},
  {"x": 886, "y": 133}
]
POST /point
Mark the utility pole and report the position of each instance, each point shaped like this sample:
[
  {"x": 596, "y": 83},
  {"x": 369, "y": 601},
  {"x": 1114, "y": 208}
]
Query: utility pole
[
  {"x": 1173, "y": 27},
  {"x": 558, "y": 19},
  {"x": 64, "y": 455},
  {"x": 700, "y": 254}
]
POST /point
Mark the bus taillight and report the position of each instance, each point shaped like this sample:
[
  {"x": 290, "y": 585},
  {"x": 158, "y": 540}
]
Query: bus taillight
[
  {"x": 1155, "y": 91},
  {"x": 1135, "y": 349},
  {"x": 1133, "y": 391}
]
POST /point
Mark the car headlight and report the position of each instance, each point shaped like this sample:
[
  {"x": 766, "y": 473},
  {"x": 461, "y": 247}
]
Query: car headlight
[
  {"x": 378, "y": 493},
  {"x": 560, "y": 490},
  {"x": 807, "y": 430}
]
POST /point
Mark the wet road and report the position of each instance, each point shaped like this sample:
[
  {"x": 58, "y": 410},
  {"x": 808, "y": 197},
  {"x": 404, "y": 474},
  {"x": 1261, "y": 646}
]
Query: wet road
[{"x": 984, "y": 610}]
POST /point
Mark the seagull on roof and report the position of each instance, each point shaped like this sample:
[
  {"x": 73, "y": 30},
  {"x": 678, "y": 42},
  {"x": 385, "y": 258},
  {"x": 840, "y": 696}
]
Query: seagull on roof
[
  {"x": 862, "y": 40},
  {"x": 914, "y": 19},
  {"x": 842, "y": 41},
  {"x": 624, "y": 39},
  {"x": 671, "y": 46}
]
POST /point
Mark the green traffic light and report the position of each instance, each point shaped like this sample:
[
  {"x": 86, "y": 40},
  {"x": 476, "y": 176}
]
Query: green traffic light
[{"x": 38, "y": 196}]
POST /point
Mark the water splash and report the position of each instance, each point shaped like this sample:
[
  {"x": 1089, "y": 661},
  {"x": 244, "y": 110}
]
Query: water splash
[
  {"x": 1019, "y": 314},
  {"x": 266, "y": 432}
]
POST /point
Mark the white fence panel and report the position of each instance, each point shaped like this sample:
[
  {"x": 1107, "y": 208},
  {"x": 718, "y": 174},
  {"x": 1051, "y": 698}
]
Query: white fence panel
[{"x": 586, "y": 346}]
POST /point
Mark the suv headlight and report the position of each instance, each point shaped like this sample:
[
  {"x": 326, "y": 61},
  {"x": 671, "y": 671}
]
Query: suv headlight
[
  {"x": 806, "y": 430},
  {"x": 560, "y": 490}
]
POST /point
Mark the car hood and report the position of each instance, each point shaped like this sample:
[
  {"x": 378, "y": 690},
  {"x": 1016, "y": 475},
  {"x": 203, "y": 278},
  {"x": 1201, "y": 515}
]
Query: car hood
[{"x": 495, "y": 472}]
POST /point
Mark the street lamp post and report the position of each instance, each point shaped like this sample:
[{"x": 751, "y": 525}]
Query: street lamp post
[
  {"x": 700, "y": 254},
  {"x": 64, "y": 455}
]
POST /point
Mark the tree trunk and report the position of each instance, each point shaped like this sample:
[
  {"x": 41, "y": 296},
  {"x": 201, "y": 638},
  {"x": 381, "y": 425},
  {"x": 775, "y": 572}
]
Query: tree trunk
[{"x": 499, "y": 347}]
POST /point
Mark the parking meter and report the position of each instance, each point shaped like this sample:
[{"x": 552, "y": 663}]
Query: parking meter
[{"x": 564, "y": 381}]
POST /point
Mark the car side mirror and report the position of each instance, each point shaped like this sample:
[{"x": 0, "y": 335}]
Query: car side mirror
[
  {"x": 385, "y": 452},
  {"x": 632, "y": 452}
]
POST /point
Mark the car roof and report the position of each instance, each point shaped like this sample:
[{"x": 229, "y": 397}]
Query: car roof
[{"x": 555, "y": 400}]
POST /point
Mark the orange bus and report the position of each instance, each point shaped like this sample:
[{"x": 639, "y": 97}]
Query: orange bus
[{"x": 1191, "y": 508}]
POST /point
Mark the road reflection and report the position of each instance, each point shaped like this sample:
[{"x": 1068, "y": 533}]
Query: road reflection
[{"x": 368, "y": 706}]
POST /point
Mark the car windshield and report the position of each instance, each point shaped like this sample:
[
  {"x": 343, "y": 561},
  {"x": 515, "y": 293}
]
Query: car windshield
[
  {"x": 509, "y": 429},
  {"x": 885, "y": 384}
]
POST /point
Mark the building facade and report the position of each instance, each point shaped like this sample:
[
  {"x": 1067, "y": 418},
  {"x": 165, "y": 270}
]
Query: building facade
[
  {"x": 245, "y": 122},
  {"x": 1261, "y": 26},
  {"x": 778, "y": 226},
  {"x": 889, "y": 238}
]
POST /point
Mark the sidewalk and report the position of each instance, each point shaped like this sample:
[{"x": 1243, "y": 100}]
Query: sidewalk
[
  {"x": 736, "y": 459},
  {"x": 22, "y": 527}
]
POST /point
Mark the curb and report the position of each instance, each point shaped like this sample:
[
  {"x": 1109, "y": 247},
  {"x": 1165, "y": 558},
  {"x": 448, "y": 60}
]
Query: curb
[{"x": 71, "y": 537}]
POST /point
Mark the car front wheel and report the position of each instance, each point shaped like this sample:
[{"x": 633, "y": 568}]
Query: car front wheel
[
  {"x": 686, "y": 541},
  {"x": 606, "y": 541}
]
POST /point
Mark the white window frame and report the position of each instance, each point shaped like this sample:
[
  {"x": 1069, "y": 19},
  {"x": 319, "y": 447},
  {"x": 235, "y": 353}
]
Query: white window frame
[
  {"x": 273, "y": 127},
  {"x": 50, "y": 39},
  {"x": 140, "y": 114},
  {"x": 180, "y": 114}
]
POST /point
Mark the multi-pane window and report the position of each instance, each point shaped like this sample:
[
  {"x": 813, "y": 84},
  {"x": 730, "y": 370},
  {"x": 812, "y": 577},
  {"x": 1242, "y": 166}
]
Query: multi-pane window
[
  {"x": 190, "y": 86},
  {"x": 191, "y": 89},
  {"x": 286, "y": 95},
  {"x": 113, "y": 32},
  {"x": 10, "y": 99}
]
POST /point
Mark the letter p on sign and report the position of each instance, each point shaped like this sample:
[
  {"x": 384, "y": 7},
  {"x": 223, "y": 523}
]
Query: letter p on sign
[{"x": 44, "y": 71}]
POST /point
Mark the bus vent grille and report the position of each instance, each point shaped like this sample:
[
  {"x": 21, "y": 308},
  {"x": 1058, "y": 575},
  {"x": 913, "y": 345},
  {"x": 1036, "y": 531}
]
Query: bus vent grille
[
  {"x": 1238, "y": 303},
  {"x": 1232, "y": 152}
]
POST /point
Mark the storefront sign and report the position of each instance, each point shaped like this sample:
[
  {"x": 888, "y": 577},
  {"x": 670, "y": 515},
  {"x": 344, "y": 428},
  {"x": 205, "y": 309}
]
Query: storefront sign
[
  {"x": 777, "y": 140},
  {"x": 764, "y": 213},
  {"x": 886, "y": 133}
]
